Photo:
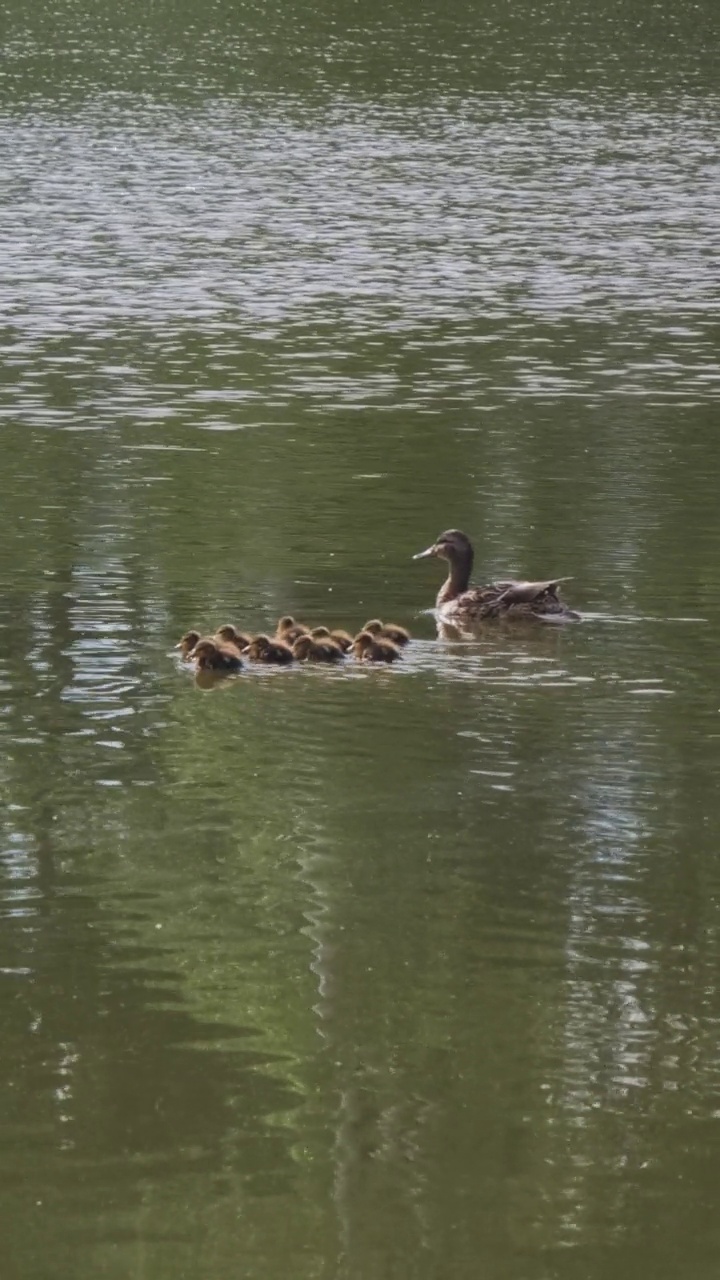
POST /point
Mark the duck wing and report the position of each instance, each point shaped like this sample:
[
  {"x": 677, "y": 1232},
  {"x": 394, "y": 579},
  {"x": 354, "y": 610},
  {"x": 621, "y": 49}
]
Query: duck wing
[
  {"x": 539, "y": 600},
  {"x": 528, "y": 592}
]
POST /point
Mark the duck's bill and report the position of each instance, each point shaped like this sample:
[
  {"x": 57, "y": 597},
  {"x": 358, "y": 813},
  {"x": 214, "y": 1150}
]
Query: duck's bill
[{"x": 422, "y": 555}]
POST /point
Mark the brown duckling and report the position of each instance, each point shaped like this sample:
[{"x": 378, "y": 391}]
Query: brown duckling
[
  {"x": 263, "y": 649},
  {"x": 288, "y": 630},
  {"x": 371, "y": 648},
  {"x": 307, "y": 649},
  {"x": 187, "y": 643},
  {"x": 228, "y": 634},
  {"x": 388, "y": 631},
  {"x": 343, "y": 638},
  {"x": 209, "y": 655},
  {"x": 325, "y": 636}
]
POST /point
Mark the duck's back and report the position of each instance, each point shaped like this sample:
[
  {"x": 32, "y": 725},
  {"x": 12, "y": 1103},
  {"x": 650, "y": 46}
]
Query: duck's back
[{"x": 511, "y": 599}]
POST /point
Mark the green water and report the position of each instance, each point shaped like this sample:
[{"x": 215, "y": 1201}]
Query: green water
[{"x": 409, "y": 974}]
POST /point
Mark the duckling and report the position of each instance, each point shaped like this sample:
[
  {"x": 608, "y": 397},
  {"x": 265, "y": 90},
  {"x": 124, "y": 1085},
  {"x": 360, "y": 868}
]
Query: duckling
[
  {"x": 458, "y": 602},
  {"x": 307, "y": 649},
  {"x": 288, "y": 630},
  {"x": 187, "y": 643},
  {"x": 343, "y": 638},
  {"x": 228, "y": 634},
  {"x": 370, "y": 648},
  {"x": 209, "y": 655},
  {"x": 388, "y": 631},
  {"x": 263, "y": 649},
  {"x": 325, "y": 636}
]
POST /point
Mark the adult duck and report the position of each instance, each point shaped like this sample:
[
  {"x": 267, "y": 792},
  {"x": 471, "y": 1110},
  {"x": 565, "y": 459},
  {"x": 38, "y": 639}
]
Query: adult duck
[{"x": 457, "y": 602}]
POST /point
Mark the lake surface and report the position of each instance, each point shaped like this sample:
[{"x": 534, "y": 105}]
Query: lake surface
[{"x": 405, "y": 974}]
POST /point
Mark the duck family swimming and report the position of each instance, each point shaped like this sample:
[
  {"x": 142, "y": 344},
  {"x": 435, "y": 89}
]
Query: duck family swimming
[
  {"x": 457, "y": 604},
  {"x": 462, "y": 605}
]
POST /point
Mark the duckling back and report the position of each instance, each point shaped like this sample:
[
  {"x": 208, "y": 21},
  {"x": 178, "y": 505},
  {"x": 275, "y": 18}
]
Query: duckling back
[
  {"x": 342, "y": 638},
  {"x": 307, "y": 649},
  {"x": 370, "y": 648},
  {"x": 388, "y": 631},
  {"x": 209, "y": 655},
  {"x": 324, "y": 637},
  {"x": 288, "y": 630},
  {"x": 263, "y": 649},
  {"x": 397, "y": 635},
  {"x": 228, "y": 634}
]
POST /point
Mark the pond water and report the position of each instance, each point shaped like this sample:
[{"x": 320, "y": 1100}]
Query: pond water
[{"x": 404, "y": 974}]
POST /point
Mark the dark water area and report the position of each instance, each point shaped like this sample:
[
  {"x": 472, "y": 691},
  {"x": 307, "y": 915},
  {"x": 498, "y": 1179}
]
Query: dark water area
[{"x": 348, "y": 974}]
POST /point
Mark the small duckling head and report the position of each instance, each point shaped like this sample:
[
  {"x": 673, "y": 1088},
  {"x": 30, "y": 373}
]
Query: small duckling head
[
  {"x": 187, "y": 643},
  {"x": 374, "y": 626},
  {"x": 229, "y": 634},
  {"x": 288, "y": 629},
  {"x": 320, "y": 633}
]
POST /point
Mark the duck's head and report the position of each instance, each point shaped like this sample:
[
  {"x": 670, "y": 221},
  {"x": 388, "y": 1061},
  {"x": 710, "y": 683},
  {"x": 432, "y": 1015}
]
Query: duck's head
[
  {"x": 374, "y": 627},
  {"x": 187, "y": 643},
  {"x": 286, "y": 624},
  {"x": 230, "y": 635},
  {"x": 452, "y": 545},
  {"x": 320, "y": 633}
]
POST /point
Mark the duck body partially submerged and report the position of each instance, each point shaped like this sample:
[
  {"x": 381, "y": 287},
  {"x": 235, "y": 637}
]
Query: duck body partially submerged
[
  {"x": 373, "y": 648},
  {"x": 212, "y": 655},
  {"x": 229, "y": 634},
  {"x": 311, "y": 648},
  {"x": 398, "y": 636},
  {"x": 342, "y": 638},
  {"x": 263, "y": 649},
  {"x": 288, "y": 630},
  {"x": 463, "y": 605}
]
